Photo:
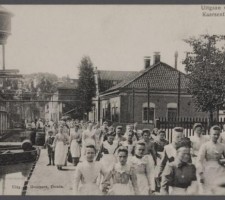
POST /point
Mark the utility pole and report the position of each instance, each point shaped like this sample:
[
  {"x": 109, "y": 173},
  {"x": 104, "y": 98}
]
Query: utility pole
[
  {"x": 133, "y": 95},
  {"x": 148, "y": 111},
  {"x": 178, "y": 96}
]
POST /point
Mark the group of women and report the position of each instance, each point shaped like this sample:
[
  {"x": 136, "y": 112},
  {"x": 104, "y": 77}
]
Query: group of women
[{"x": 110, "y": 162}]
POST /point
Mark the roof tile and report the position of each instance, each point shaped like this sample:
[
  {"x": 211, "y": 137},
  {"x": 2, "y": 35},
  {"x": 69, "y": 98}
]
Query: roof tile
[{"x": 160, "y": 76}]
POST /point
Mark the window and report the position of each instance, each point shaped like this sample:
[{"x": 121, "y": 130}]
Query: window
[
  {"x": 103, "y": 114},
  {"x": 108, "y": 112},
  {"x": 171, "y": 110},
  {"x": 151, "y": 114},
  {"x": 115, "y": 114},
  {"x": 145, "y": 113}
]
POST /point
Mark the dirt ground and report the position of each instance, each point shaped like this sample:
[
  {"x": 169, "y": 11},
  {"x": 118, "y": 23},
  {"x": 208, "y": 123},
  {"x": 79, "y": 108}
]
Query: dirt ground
[{"x": 48, "y": 180}]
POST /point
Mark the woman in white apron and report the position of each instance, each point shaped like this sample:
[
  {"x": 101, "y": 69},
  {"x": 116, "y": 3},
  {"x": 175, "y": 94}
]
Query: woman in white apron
[
  {"x": 159, "y": 144},
  {"x": 108, "y": 150},
  {"x": 197, "y": 140},
  {"x": 123, "y": 176},
  {"x": 210, "y": 165},
  {"x": 61, "y": 143},
  {"x": 87, "y": 173},
  {"x": 88, "y": 137},
  {"x": 142, "y": 169},
  {"x": 75, "y": 139}
]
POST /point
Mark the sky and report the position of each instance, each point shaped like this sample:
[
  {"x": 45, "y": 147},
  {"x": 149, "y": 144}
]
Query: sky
[{"x": 54, "y": 38}]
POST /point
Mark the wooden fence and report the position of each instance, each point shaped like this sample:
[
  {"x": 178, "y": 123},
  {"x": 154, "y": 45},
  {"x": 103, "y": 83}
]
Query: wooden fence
[{"x": 187, "y": 124}]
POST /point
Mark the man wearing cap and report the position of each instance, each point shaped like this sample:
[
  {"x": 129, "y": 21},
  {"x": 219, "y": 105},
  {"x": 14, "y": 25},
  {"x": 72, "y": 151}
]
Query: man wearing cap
[
  {"x": 180, "y": 174},
  {"x": 197, "y": 140},
  {"x": 170, "y": 152}
]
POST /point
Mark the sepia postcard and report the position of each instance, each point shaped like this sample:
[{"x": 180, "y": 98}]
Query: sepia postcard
[{"x": 112, "y": 100}]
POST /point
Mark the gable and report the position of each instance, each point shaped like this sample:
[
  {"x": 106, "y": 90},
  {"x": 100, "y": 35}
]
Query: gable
[{"x": 160, "y": 77}]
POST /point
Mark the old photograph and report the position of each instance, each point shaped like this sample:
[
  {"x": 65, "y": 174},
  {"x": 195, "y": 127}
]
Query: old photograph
[{"x": 112, "y": 100}]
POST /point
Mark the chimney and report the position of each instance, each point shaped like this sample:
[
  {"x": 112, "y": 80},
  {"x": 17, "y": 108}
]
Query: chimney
[
  {"x": 156, "y": 57},
  {"x": 147, "y": 61},
  {"x": 176, "y": 56}
]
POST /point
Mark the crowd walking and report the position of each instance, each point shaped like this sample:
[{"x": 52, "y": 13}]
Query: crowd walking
[{"x": 111, "y": 161}]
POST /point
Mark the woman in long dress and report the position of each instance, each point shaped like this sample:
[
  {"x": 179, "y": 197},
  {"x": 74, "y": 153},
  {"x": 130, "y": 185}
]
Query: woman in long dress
[
  {"x": 87, "y": 173},
  {"x": 88, "y": 137},
  {"x": 197, "y": 140},
  {"x": 75, "y": 139},
  {"x": 98, "y": 136},
  {"x": 129, "y": 144},
  {"x": 108, "y": 151},
  {"x": 209, "y": 164},
  {"x": 142, "y": 169},
  {"x": 61, "y": 143},
  {"x": 123, "y": 176},
  {"x": 150, "y": 153},
  {"x": 159, "y": 143}
]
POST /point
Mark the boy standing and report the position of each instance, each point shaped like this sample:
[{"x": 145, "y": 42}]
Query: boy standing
[{"x": 49, "y": 144}]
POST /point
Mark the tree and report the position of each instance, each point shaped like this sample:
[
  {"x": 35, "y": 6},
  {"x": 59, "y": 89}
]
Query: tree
[
  {"x": 42, "y": 85},
  {"x": 205, "y": 66},
  {"x": 86, "y": 85},
  {"x": 38, "y": 86}
]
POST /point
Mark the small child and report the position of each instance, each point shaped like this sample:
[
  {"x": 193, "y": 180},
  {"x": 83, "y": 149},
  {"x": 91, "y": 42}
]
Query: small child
[{"x": 49, "y": 144}]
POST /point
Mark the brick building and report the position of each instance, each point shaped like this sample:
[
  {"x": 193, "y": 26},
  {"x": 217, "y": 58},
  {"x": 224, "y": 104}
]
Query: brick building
[
  {"x": 127, "y": 101},
  {"x": 105, "y": 80}
]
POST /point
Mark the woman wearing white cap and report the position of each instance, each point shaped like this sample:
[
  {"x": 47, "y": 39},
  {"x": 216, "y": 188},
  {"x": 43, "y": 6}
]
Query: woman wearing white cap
[
  {"x": 60, "y": 143},
  {"x": 141, "y": 164},
  {"x": 197, "y": 140},
  {"x": 87, "y": 173},
  {"x": 88, "y": 137},
  {"x": 209, "y": 162},
  {"x": 75, "y": 140},
  {"x": 108, "y": 151},
  {"x": 122, "y": 175}
]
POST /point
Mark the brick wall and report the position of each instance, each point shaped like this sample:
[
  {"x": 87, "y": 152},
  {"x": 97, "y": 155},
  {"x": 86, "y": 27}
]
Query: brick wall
[{"x": 160, "y": 101}]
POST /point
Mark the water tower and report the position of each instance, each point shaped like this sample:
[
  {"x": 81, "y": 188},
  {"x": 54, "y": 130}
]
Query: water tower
[{"x": 5, "y": 31}]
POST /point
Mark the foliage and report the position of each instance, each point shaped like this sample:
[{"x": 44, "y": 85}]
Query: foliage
[
  {"x": 205, "y": 66},
  {"x": 41, "y": 85},
  {"x": 86, "y": 85}
]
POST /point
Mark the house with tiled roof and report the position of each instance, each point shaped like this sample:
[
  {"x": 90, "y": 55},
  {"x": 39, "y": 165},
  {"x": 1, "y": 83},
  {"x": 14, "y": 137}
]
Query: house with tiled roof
[
  {"x": 127, "y": 101},
  {"x": 106, "y": 79}
]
